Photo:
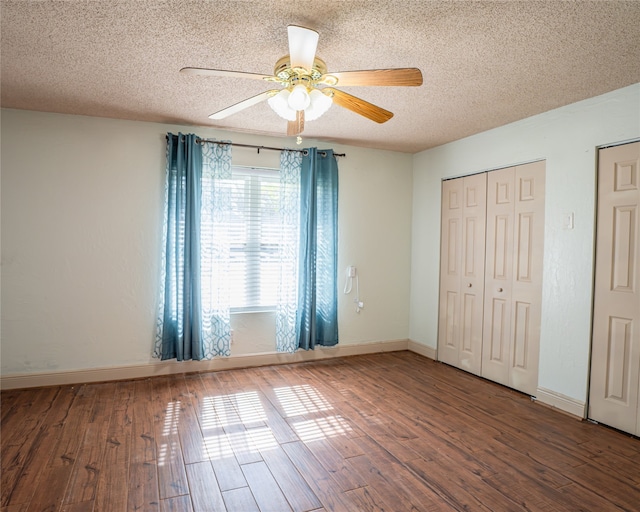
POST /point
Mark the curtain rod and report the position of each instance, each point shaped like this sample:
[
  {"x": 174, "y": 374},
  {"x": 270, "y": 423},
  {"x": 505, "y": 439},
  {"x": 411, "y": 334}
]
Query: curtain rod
[{"x": 303, "y": 151}]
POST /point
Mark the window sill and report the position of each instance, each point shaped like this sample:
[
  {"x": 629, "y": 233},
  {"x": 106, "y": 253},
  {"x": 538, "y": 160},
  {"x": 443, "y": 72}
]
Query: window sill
[{"x": 248, "y": 311}]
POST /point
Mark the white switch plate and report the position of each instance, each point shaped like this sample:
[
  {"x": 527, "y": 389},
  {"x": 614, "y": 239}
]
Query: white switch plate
[{"x": 567, "y": 220}]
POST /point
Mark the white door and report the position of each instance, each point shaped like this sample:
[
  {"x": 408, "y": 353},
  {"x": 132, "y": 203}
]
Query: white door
[
  {"x": 615, "y": 358},
  {"x": 513, "y": 276},
  {"x": 462, "y": 272},
  {"x": 498, "y": 275},
  {"x": 450, "y": 271},
  {"x": 526, "y": 293}
]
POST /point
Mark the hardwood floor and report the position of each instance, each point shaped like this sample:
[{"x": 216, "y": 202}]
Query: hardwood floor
[{"x": 390, "y": 432}]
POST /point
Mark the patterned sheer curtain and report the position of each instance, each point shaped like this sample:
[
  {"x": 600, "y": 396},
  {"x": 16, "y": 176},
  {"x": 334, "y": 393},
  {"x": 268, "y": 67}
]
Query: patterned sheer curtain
[
  {"x": 216, "y": 249},
  {"x": 193, "y": 313},
  {"x": 290, "y": 166}
]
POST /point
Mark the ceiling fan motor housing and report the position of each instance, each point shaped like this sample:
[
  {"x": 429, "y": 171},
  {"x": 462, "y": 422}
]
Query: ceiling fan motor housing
[{"x": 290, "y": 77}]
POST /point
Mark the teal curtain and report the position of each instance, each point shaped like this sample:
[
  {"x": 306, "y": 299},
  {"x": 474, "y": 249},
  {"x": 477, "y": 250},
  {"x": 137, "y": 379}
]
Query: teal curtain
[
  {"x": 317, "y": 315},
  {"x": 186, "y": 322}
]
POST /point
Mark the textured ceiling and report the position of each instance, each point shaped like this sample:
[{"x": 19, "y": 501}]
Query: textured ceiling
[{"x": 484, "y": 64}]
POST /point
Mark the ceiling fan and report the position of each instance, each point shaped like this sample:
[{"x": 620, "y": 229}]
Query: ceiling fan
[{"x": 308, "y": 90}]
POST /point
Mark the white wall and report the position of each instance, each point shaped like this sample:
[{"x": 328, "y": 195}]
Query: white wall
[
  {"x": 81, "y": 234},
  {"x": 567, "y": 139}
]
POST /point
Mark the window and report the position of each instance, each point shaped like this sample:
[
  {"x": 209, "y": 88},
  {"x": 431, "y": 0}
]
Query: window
[
  {"x": 254, "y": 235},
  {"x": 245, "y": 239}
]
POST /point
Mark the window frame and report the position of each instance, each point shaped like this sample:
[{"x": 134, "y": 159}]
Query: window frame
[{"x": 253, "y": 274}]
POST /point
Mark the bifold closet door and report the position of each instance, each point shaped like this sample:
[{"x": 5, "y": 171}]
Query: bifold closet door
[
  {"x": 462, "y": 272},
  {"x": 615, "y": 359},
  {"x": 513, "y": 276}
]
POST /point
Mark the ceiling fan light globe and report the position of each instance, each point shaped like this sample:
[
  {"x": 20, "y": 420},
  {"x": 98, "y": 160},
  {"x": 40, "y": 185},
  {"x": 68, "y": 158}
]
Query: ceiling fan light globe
[
  {"x": 280, "y": 105},
  {"x": 320, "y": 103},
  {"x": 299, "y": 98}
]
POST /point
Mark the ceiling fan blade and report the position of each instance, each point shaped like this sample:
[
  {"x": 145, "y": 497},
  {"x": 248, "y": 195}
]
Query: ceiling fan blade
[
  {"x": 359, "y": 106},
  {"x": 296, "y": 127},
  {"x": 302, "y": 46},
  {"x": 223, "y": 72},
  {"x": 249, "y": 102},
  {"x": 395, "y": 77}
]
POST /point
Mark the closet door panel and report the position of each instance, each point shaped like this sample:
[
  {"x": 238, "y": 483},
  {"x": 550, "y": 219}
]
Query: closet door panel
[
  {"x": 472, "y": 290},
  {"x": 498, "y": 275},
  {"x": 615, "y": 359},
  {"x": 462, "y": 272},
  {"x": 526, "y": 290},
  {"x": 450, "y": 271}
]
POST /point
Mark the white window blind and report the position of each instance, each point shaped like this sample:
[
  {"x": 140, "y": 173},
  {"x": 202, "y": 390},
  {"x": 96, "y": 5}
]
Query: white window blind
[{"x": 255, "y": 234}]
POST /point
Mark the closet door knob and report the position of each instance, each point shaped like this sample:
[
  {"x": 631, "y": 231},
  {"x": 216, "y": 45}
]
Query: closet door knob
[
  {"x": 499, "y": 289},
  {"x": 469, "y": 285}
]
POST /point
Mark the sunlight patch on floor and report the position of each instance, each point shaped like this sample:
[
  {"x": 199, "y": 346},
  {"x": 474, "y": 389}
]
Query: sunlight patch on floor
[
  {"x": 169, "y": 447},
  {"x": 237, "y": 423},
  {"x": 321, "y": 428},
  {"x": 304, "y": 399}
]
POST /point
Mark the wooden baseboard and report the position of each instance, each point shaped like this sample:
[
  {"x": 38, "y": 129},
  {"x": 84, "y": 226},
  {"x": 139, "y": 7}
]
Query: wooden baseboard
[
  {"x": 422, "y": 349},
  {"x": 19, "y": 381},
  {"x": 562, "y": 402}
]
